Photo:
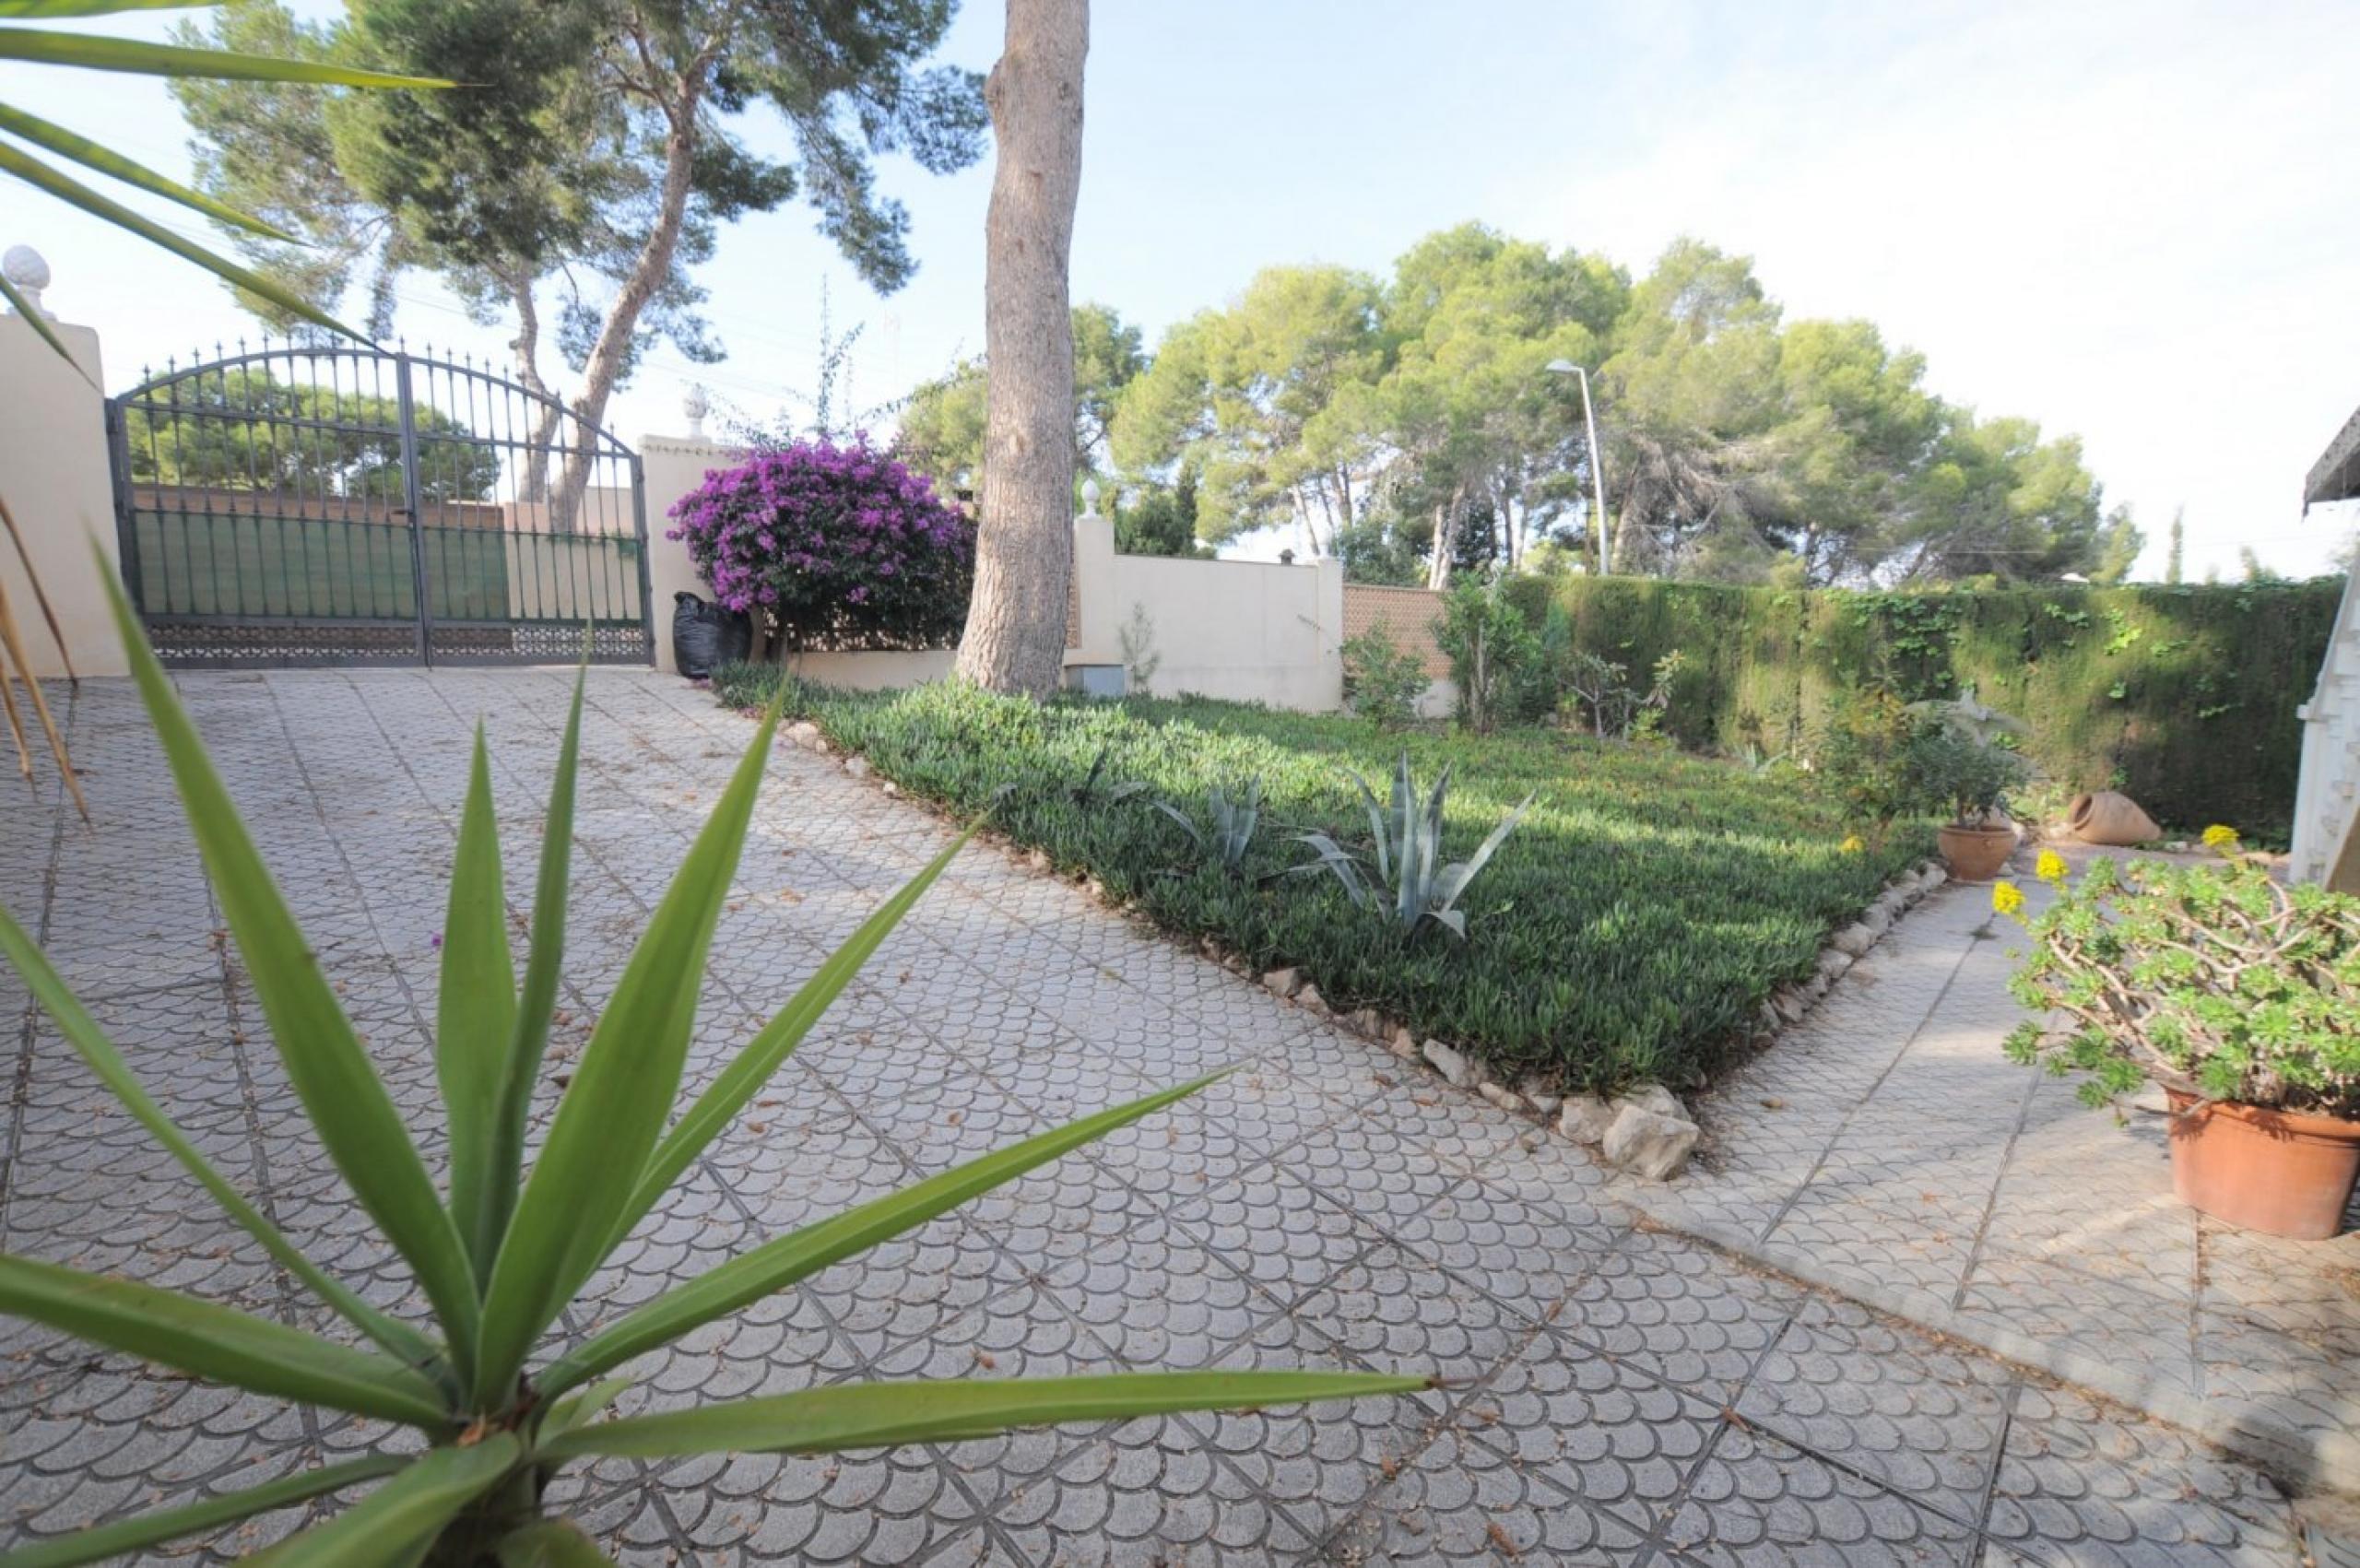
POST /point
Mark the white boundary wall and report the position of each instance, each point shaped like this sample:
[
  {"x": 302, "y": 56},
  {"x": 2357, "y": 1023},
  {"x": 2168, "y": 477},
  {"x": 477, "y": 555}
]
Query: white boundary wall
[{"x": 1248, "y": 631}]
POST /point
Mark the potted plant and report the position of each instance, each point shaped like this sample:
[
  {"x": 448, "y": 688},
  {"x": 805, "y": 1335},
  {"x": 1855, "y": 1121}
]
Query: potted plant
[
  {"x": 1969, "y": 777},
  {"x": 2239, "y": 994}
]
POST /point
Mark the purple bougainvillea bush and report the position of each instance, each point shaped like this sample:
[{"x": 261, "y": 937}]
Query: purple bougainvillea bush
[{"x": 832, "y": 547}]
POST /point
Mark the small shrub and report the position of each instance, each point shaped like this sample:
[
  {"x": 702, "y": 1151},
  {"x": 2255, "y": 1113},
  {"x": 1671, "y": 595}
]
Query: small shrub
[
  {"x": 2217, "y": 979},
  {"x": 1617, "y": 710},
  {"x": 1407, "y": 884},
  {"x": 1492, "y": 652},
  {"x": 1232, "y": 813},
  {"x": 832, "y": 547},
  {"x": 1950, "y": 769},
  {"x": 1383, "y": 680},
  {"x": 1862, "y": 758}
]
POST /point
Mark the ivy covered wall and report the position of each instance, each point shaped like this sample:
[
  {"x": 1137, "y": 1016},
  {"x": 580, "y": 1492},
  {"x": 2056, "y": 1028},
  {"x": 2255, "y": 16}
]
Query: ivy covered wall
[{"x": 2183, "y": 697}]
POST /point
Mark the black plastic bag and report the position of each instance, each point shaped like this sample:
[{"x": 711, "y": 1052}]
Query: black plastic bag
[{"x": 705, "y": 637}]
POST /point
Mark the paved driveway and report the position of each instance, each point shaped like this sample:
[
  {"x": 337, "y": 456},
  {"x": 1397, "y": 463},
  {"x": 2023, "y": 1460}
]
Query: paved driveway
[{"x": 1616, "y": 1394}]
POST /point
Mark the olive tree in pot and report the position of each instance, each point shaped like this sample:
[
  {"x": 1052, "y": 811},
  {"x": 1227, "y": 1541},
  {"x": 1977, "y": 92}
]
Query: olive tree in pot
[
  {"x": 1961, "y": 761},
  {"x": 1969, "y": 779},
  {"x": 2239, "y": 994}
]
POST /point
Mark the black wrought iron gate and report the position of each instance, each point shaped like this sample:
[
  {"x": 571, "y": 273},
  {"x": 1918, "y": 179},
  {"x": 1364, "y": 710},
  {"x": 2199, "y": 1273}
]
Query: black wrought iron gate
[{"x": 331, "y": 504}]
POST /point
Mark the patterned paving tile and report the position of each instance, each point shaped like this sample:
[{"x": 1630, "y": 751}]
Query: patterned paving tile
[{"x": 1605, "y": 1394}]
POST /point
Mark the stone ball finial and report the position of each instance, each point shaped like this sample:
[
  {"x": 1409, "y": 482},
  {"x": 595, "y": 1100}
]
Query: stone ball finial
[
  {"x": 1090, "y": 498},
  {"x": 27, "y": 273}
]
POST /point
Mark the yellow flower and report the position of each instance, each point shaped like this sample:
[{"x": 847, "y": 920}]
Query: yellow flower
[
  {"x": 2219, "y": 837},
  {"x": 2050, "y": 868},
  {"x": 1852, "y": 844},
  {"x": 2007, "y": 897}
]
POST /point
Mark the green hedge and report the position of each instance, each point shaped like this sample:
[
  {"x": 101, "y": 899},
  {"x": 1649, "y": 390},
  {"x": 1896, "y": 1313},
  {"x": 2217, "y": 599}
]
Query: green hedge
[
  {"x": 1630, "y": 930},
  {"x": 2183, "y": 697}
]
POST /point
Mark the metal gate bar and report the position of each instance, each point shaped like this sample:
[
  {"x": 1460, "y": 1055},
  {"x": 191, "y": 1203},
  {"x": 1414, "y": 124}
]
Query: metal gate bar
[{"x": 343, "y": 504}]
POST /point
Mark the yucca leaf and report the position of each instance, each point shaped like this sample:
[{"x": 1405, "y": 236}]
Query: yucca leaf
[
  {"x": 1376, "y": 827},
  {"x": 108, "y": 161},
  {"x": 90, "y": 1042},
  {"x": 607, "y": 1125},
  {"x": 217, "y": 1342},
  {"x": 474, "y": 1014},
  {"x": 33, "y": 171},
  {"x": 754, "y": 1065},
  {"x": 1188, "y": 827},
  {"x": 53, "y": 10},
  {"x": 348, "y": 1106},
  {"x": 40, "y": 324},
  {"x": 1456, "y": 878},
  {"x": 951, "y": 1410},
  {"x": 1333, "y": 858},
  {"x": 389, "y": 1528},
  {"x": 98, "y": 52},
  {"x": 575, "y": 1409},
  {"x": 535, "y": 1006},
  {"x": 552, "y": 1543},
  {"x": 144, "y": 1530},
  {"x": 770, "y": 1267}
]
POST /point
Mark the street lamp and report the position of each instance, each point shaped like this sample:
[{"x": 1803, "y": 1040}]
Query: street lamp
[{"x": 1596, "y": 458}]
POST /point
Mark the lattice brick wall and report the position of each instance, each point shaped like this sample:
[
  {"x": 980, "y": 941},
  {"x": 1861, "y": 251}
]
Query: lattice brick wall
[{"x": 1410, "y": 615}]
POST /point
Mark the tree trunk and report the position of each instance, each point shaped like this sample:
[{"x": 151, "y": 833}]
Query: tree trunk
[
  {"x": 532, "y": 485},
  {"x": 1015, "y": 638},
  {"x": 648, "y": 271}
]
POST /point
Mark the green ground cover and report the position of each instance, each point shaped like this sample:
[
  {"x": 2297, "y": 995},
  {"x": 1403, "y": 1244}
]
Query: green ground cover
[{"x": 1630, "y": 930}]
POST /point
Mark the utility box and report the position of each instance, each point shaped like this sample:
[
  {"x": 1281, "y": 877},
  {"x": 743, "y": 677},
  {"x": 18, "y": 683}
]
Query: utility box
[{"x": 1098, "y": 680}]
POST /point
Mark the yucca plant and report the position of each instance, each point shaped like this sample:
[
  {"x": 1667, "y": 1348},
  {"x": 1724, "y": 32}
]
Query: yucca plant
[
  {"x": 1230, "y": 819},
  {"x": 1410, "y": 884},
  {"x": 20, "y": 131},
  {"x": 505, "y": 1244}
]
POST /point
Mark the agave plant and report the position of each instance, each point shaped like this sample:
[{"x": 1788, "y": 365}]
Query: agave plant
[
  {"x": 1409, "y": 883},
  {"x": 1231, "y": 821},
  {"x": 503, "y": 1247},
  {"x": 51, "y": 46}
]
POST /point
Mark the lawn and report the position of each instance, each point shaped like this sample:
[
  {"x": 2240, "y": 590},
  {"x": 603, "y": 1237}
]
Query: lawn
[{"x": 1630, "y": 930}]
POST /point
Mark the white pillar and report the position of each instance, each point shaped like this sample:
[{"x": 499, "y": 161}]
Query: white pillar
[{"x": 55, "y": 475}]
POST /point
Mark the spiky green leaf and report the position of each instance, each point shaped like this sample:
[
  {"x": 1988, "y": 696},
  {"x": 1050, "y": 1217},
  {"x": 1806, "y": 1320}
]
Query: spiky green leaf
[
  {"x": 348, "y": 1103},
  {"x": 90, "y": 1042},
  {"x": 217, "y": 1342},
  {"x": 607, "y": 1124},
  {"x": 391, "y": 1526},
  {"x": 552, "y": 1543},
  {"x": 953, "y": 1410},
  {"x": 106, "y": 161},
  {"x": 538, "y": 1003},
  {"x": 143, "y": 1530},
  {"x": 98, "y": 52},
  {"x": 775, "y": 1265},
  {"x": 475, "y": 1015},
  {"x": 58, "y": 10},
  {"x": 754, "y": 1065},
  {"x": 33, "y": 171}
]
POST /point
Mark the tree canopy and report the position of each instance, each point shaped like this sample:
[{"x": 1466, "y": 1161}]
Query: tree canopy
[
  {"x": 592, "y": 159},
  {"x": 1410, "y": 425}
]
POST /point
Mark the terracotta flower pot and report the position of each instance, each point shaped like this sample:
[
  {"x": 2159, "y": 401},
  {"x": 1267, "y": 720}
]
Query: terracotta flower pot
[
  {"x": 2282, "y": 1173},
  {"x": 1976, "y": 854},
  {"x": 2109, "y": 817}
]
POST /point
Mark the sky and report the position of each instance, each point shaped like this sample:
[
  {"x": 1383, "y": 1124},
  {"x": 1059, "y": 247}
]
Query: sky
[{"x": 2127, "y": 221}]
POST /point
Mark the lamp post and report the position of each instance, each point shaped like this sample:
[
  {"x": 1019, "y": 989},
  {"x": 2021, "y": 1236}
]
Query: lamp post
[{"x": 1597, "y": 459}]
